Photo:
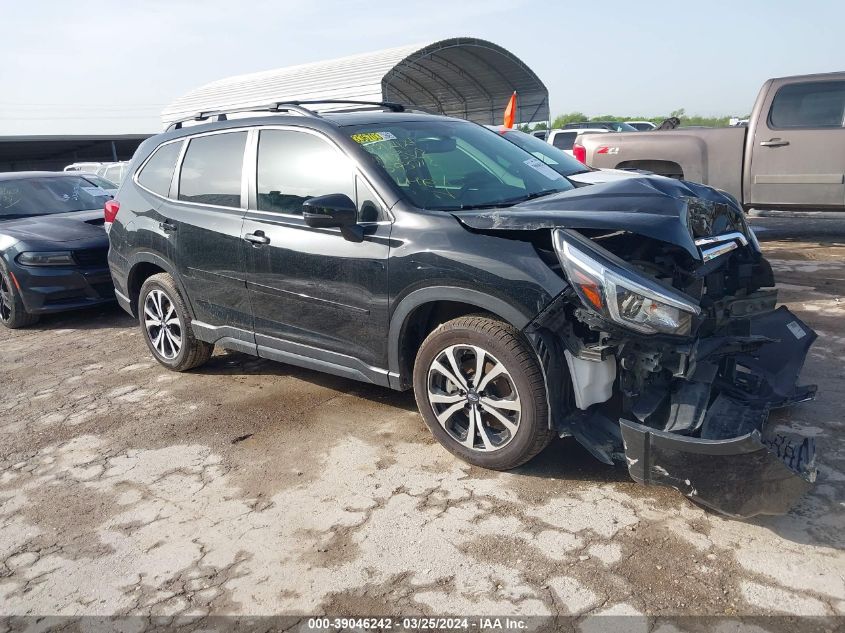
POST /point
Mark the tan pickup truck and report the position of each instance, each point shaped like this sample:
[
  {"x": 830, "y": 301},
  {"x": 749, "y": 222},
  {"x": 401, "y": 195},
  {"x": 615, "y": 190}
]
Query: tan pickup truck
[{"x": 790, "y": 156}]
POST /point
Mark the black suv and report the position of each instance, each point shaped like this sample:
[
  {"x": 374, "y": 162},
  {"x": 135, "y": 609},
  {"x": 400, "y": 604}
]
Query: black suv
[{"x": 418, "y": 251}]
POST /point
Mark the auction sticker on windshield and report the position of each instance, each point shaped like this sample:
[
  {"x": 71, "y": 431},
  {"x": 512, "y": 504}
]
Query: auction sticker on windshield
[
  {"x": 544, "y": 169},
  {"x": 365, "y": 138}
]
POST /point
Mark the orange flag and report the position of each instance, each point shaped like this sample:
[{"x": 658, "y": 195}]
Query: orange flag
[{"x": 510, "y": 111}]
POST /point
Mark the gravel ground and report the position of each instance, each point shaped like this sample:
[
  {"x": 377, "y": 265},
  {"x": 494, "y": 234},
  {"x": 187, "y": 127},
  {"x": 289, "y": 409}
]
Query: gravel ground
[{"x": 249, "y": 487}]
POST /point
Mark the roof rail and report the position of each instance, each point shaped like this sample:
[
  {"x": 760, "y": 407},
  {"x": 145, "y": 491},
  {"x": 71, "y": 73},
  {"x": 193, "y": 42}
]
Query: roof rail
[
  {"x": 385, "y": 105},
  {"x": 286, "y": 106}
]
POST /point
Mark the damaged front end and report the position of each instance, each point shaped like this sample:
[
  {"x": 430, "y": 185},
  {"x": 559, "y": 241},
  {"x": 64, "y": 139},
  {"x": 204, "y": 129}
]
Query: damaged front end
[
  {"x": 714, "y": 443},
  {"x": 673, "y": 362}
]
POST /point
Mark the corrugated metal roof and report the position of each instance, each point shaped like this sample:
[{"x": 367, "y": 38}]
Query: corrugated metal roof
[{"x": 464, "y": 77}]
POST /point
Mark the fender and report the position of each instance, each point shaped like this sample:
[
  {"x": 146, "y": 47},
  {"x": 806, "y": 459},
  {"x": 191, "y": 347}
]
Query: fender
[
  {"x": 431, "y": 294},
  {"x": 146, "y": 257}
]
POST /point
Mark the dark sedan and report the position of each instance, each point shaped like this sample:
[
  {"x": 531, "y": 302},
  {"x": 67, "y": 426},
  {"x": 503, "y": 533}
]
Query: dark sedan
[{"x": 53, "y": 245}]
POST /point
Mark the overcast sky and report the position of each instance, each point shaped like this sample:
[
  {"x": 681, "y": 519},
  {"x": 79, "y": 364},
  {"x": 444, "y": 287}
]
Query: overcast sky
[{"x": 95, "y": 66}]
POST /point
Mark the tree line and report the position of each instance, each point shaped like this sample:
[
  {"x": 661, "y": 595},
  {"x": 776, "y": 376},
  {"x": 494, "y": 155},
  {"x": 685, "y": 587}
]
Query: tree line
[{"x": 686, "y": 119}]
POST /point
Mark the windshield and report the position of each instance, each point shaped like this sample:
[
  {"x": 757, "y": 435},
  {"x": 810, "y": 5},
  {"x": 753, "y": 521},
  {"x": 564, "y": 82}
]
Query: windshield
[
  {"x": 28, "y": 197},
  {"x": 452, "y": 165},
  {"x": 561, "y": 162}
]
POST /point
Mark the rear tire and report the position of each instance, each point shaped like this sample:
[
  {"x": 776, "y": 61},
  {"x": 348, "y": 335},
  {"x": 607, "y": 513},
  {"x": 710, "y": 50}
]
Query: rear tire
[
  {"x": 493, "y": 411},
  {"x": 166, "y": 325},
  {"x": 13, "y": 314}
]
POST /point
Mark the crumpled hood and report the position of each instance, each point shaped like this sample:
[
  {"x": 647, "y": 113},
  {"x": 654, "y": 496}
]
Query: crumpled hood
[
  {"x": 59, "y": 227},
  {"x": 664, "y": 209}
]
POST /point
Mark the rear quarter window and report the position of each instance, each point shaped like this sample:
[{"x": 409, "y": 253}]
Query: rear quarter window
[
  {"x": 158, "y": 172},
  {"x": 818, "y": 104}
]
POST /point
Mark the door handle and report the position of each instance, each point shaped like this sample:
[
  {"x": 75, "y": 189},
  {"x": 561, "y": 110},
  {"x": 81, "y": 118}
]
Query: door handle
[
  {"x": 775, "y": 142},
  {"x": 167, "y": 226},
  {"x": 257, "y": 239}
]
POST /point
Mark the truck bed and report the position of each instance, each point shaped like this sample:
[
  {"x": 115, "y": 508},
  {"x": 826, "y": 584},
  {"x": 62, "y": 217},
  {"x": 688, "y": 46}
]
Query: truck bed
[{"x": 712, "y": 156}]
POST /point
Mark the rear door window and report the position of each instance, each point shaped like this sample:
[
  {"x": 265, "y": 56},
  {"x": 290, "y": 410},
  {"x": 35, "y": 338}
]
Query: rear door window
[
  {"x": 158, "y": 172},
  {"x": 212, "y": 170},
  {"x": 817, "y": 104}
]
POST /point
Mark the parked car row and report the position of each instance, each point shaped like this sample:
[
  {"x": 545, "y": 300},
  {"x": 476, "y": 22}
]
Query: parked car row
[
  {"x": 567, "y": 137},
  {"x": 520, "y": 294},
  {"x": 113, "y": 172},
  {"x": 609, "y": 126}
]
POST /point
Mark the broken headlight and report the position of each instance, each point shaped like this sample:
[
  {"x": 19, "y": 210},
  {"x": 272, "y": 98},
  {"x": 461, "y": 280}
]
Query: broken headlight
[{"x": 605, "y": 284}]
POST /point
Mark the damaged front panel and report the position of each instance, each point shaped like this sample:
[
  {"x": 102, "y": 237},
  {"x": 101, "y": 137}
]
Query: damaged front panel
[
  {"x": 720, "y": 451},
  {"x": 663, "y": 209},
  {"x": 741, "y": 476},
  {"x": 688, "y": 399}
]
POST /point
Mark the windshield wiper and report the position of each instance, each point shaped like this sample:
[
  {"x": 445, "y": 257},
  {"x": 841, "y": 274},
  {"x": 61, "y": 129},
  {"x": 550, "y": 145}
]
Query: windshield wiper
[
  {"x": 475, "y": 207},
  {"x": 530, "y": 196},
  {"x": 503, "y": 203}
]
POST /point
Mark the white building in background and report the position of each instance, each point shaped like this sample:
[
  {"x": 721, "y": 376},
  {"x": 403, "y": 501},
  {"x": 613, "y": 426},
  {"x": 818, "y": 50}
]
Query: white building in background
[{"x": 464, "y": 77}]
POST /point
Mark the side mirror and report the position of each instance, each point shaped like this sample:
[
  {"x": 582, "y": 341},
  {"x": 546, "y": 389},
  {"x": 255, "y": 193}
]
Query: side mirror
[{"x": 335, "y": 210}]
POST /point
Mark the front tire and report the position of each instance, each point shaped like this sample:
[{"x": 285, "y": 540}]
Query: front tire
[
  {"x": 480, "y": 390},
  {"x": 13, "y": 314},
  {"x": 166, "y": 325}
]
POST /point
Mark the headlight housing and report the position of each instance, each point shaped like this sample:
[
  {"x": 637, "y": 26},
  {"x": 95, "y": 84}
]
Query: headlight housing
[
  {"x": 46, "y": 258},
  {"x": 607, "y": 286}
]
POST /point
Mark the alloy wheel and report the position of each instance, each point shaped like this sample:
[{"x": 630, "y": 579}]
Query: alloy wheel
[
  {"x": 164, "y": 328},
  {"x": 474, "y": 398}
]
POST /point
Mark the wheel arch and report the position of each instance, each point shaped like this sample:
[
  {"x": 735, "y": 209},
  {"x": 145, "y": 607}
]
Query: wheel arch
[
  {"x": 143, "y": 266},
  {"x": 424, "y": 309}
]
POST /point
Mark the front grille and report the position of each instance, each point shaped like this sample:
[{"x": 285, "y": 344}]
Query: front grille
[{"x": 92, "y": 257}]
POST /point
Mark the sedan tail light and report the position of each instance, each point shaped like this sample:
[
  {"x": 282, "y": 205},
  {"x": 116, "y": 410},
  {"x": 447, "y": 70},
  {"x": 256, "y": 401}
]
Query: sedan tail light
[
  {"x": 110, "y": 212},
  {"x": 580, "y": 152}
]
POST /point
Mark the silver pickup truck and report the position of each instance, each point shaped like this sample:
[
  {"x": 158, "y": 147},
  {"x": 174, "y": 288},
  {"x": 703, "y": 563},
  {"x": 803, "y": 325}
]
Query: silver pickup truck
[{"x": 790, "y": 156}]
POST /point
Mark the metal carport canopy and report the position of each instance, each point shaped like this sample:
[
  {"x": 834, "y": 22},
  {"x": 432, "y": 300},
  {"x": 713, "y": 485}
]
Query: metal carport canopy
[{"x": 463, "y": 77}]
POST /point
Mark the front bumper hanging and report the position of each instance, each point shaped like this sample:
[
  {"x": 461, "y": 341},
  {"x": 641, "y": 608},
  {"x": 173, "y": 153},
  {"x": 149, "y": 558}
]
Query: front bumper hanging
[
  {"x": 740, "y": 477},
  {"x": 738, "y": 465}
]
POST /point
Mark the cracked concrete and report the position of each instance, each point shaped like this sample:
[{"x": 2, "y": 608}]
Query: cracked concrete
[{"x": 249, "y": 487}]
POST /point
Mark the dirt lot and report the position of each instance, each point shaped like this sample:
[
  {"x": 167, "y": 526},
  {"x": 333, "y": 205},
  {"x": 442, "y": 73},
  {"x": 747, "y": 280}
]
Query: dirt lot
[{"x": 258, "y": 488}]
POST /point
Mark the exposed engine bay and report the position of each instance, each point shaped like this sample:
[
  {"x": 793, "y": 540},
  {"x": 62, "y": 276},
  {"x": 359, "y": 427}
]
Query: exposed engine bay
[{"x": 668, "y": 350}]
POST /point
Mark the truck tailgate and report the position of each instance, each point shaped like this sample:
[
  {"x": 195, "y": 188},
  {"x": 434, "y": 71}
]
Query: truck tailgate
[{"x": 712, "y": 156}]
